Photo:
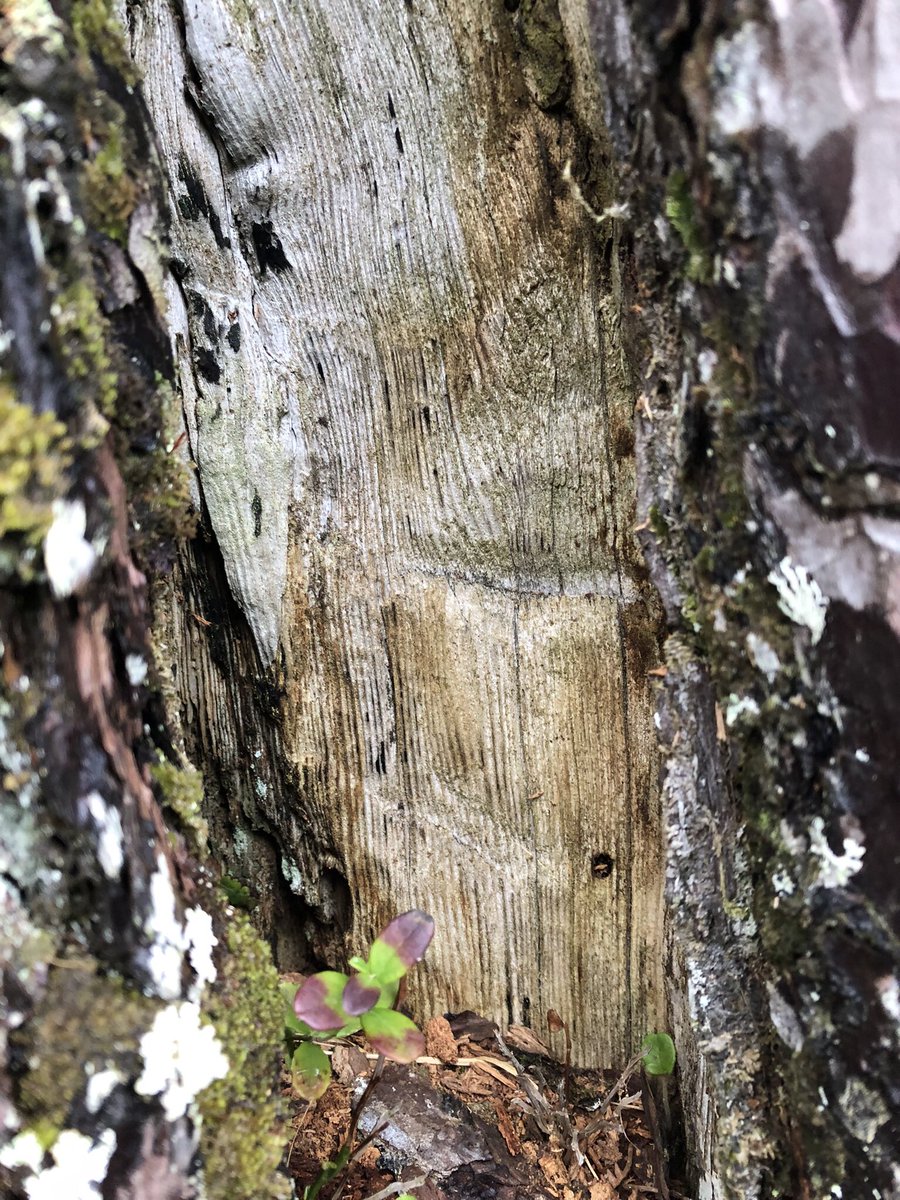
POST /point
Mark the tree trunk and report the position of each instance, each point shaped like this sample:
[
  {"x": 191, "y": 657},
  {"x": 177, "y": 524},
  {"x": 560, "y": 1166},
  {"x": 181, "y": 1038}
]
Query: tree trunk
[
  {"x": 399, "y": 335},
  {"x": 469, "y": 304},
  {"x": 108, "y": 922}
]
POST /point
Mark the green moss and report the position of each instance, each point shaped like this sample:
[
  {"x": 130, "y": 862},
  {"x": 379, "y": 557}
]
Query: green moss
[
  {"x": 84, "y": 1020},
  {"x": 682, "y": 215},
  {"x": 181, "y": 789},
  {"x": 544, "y": 53},
  {"x": 98, "y": 33},
  {"x": 34, "y": 455},
  {"x": 242, "y": 1140},
  {"x": 81, "y": 338},
  {"x": 110, "y": 192}
]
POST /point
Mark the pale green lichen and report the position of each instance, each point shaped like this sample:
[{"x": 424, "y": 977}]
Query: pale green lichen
[
  {"x": 242, "y": 1140},
  {"x": 33, "y": 453}
]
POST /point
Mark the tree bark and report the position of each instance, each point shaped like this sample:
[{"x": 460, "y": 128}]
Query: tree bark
[{"x": 106, "y": 915}]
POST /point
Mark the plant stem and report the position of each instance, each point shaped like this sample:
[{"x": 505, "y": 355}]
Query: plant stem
[{"x": 346, "y": 1154}]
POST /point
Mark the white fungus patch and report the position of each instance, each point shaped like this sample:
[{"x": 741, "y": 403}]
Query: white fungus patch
[
  {"x": 23, "y": 1151},
  {"x": 835, "y": 870},
  {"x": 800, "y": 597},
  {"x": 169, "y": 942},
  {"x": 110, "y": 852},
  {"x": 68, "y": 556},
  {"x": 181, "y": 1058}
]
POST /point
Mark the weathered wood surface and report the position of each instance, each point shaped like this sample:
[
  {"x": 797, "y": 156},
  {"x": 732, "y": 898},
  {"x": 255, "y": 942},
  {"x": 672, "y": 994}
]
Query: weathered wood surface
[{"x": 405, "y": 391}]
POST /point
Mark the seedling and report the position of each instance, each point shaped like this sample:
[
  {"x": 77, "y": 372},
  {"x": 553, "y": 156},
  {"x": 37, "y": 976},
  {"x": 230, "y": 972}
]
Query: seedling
[{"x": 331, "y": 1004}]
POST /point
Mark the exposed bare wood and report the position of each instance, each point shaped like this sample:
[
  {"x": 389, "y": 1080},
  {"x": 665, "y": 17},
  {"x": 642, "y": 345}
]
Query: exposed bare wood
[{"x": 408, "y": 406}]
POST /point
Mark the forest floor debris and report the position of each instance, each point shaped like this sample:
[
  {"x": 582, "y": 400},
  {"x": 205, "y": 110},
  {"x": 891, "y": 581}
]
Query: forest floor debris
[{"x": 483, "y": 1117}]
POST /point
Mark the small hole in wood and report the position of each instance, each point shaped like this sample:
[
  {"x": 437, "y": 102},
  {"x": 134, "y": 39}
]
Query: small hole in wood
[{"x": 601, "y": 866}]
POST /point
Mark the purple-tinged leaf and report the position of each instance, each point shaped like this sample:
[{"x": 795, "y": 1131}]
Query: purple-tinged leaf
[
  {"x": 318, "y": 1001},
  {"x": 400, "y": 945},
  {"x": 293, "y": 1026},
  {"x": 359, "y": 995},
  {"x": 393, "y": 1035},
  {"x": 310, "y": 1071}
]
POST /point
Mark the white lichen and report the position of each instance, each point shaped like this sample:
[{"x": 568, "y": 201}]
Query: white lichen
[
  {"x": 181, "y": 1058},
  {"x": 799, "y": 597},
  {"x": 172, "y": 939},
  {"x": 79, "y": 1165},
  {"x": 68, "y": 556},
  {"x": 201, "y": 940},
  {"x": 110, "y": 852},
  {"x": 763, "y": 656},
  {"x": 889, "y": 992},
  {"x": 100, "y": 1086},
  {"x": 784, "y": 1019},
  {"x": 835, "y": 870},
  {"x": 782, "y": 884},
  {"x": 136, "y": 666}
]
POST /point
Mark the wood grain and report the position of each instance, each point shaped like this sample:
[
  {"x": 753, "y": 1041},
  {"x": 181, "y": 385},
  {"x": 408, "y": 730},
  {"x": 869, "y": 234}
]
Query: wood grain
[{"x": 410, "y": 414}]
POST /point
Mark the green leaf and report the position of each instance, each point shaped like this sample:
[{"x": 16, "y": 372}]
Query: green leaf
[
  {"x": 388, "y": 995},
  {"x": 361, "y": 993},
  {"x": 318, "y": 1001},
  {"x": 393, "y": 1035},
  {"x": 310, "y": 1071},
  {"x": 292, "y": 1023},
  {"x": 400, "y": 945},
  {"x": 659, "y": 1054}
]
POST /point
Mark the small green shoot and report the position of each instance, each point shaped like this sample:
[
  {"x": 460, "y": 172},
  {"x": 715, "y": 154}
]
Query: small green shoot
[
  {"x": 658, "y": 1053},
  {"x": 236, "y": 893}
]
